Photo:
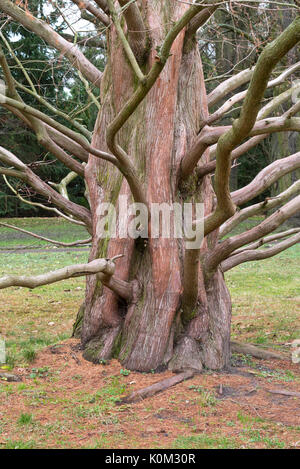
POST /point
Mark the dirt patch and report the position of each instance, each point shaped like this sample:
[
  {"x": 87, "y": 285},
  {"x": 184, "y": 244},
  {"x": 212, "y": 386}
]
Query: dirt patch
[{"x": 71, "y": 403}]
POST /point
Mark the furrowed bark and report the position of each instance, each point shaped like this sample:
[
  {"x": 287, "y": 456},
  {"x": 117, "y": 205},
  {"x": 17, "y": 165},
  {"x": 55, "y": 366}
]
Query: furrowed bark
[{"x": 136, "y": 29}]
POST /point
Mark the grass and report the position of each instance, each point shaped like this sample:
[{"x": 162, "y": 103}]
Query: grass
[
  {"x": 266, "y": 301},
  {"x": 25, "y": 419},
  {"x": 33, "y": 319},
  {"x": 52, "y": 228},
  {"x": 204, "y": 442},
  {"x": 265, "y": 298},
  {"x": 12, "y": 444}
]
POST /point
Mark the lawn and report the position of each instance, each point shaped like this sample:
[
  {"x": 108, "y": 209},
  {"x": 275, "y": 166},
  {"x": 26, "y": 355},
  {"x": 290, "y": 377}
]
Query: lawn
[{"x": 66, "y": 402}]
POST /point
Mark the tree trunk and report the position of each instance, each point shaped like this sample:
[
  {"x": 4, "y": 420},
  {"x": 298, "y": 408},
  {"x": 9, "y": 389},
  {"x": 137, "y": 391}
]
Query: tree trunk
[{"x": 154, "y": 329}]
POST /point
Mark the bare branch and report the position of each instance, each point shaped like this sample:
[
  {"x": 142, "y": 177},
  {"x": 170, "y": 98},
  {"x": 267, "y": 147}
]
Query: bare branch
[
  {"x": 78, "y": 270},
  {"x": 56, "y": 111},
  {"x": 266, "y": 240},
  {"x": 136, "y": 29},
  {"x": 255, "y": 255},
  {"x": 224, "y": 249},
  {"x": 86, "y": 41},
  {"x": 103, "y": 5},
  {"x": 265, "y": 111},
  {"x": 43, "y": 30},
  {"x": 57, "y": 243},
  {"x": 4, "y": 100},
  {"x": 261, "y": 207},
  {"x": 240, "y": 79},
  {"x": 266, "y": 178},
  {"x": 127, "y": 48},
  {"x": 85, "y": 5},
  {"x": 211, "y": 135},
  {"x": 199, "y": 20},
  {"x": 229, "y": 85},
  {"x": 242, "y": 127},
  {"x": 62, "y": 186},
  {"x": 44, "y": 189},
  {"x": 20, "y": 175}
]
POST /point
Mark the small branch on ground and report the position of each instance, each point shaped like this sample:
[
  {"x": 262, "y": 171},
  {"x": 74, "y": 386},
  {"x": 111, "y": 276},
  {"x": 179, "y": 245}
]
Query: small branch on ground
[
  {"x": 137, "y": 396},
  {"x": 283, "y": 392}
]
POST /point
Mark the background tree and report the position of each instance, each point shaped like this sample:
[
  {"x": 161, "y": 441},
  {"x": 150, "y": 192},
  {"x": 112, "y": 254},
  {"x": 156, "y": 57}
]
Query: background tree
[
  {"x": 158, "y": 138},
  {"x": 41, "y": 70}
]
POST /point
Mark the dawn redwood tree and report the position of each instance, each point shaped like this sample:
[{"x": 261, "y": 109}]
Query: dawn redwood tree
[{"x": 154, "y": 302}]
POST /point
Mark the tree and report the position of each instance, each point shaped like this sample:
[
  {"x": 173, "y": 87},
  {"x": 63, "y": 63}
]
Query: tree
[
  {"x": 154, "y": 301},
  {"x": 38, "y": 68}
]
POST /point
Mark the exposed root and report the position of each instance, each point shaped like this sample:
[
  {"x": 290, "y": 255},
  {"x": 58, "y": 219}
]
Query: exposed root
[
  {"x": 255, "y": 352},
  {"x": 137, "y": 396}
]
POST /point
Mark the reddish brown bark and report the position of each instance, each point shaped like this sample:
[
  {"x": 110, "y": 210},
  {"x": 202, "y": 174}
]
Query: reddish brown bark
[{"x": 149, "y": 332}]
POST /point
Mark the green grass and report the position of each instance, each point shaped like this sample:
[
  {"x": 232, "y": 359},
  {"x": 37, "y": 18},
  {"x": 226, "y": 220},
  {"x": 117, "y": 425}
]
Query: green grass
[
  {"x": 17, "y": 444},
  {"x": 25, "y": 419},
  {"x": 52, "y": 228},
  {"x": 265, "y": 299},
  {"x": 26, "y": 314},
  {"x": 204, "y": 442}
]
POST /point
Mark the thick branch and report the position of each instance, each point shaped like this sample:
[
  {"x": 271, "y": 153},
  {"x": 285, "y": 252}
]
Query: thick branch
[
  {"x": 56, "y": 111},
  {"x": 255, "y": 255},
  {"x": 43, "y": 30},
  {"x": 20, "y": 176},
  {"x": 103, "y": 5},
  {"x": 85, "y": 5},
  {"x": 266, "y": 178},
  {"x": 240, "y": 96},
  {"x": 229, "y": 85},
  {"x": 42, "y": 188},
  {"x": 261, "y": 207},
  {"x": 224, "y": 249},
  {"x": 211, "y": 135},
  {"x": 79, "y": 270},
  {"x": 59, "y": 138},
  {"x": 240, "y": 79},
  {"x": 136, "y": 29},
  {"x": 268, "y": 239},
  {"x": 199, "y": 20},
  {"x": 4, "y": 100}
]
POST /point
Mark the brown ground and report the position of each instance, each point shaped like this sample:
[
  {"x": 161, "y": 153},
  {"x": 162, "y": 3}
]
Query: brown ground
[{"x": 211, "y": 410}]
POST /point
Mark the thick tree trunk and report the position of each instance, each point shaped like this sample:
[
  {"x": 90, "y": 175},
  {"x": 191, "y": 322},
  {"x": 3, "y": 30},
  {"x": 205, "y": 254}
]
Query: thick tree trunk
[{"x": 154, "y": 329}]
